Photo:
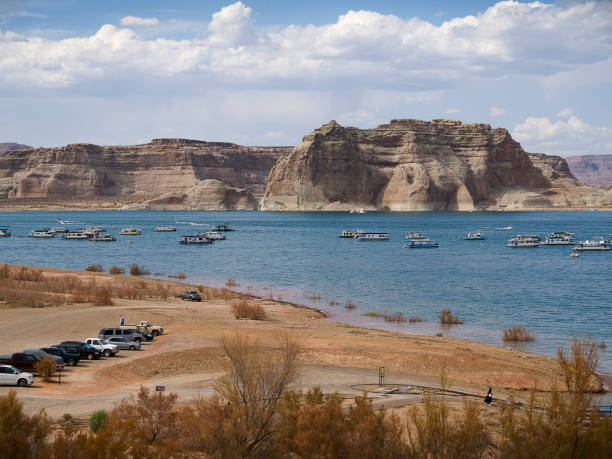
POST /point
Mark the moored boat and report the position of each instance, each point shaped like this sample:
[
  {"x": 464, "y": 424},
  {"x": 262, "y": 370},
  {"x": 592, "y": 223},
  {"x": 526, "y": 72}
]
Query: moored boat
[
  {"x": 475, "y": 237},
  {"x": 59, "y": 229},
  {"x": 194, "y": 239},
  {"x": 5, "y": 231},
  {"x": 41, "y": 233},
  {"x": 75, "y": 236},
  {"x": 421, "y": 244},
  {"x": 521, "y": 241},
  {"x": 415, "y": 235},
  {"x": 103, "y": 238},
  {"x": 164, "y": 229},
  {"x": 130, "y": 232},
  {"x": 593, "y": 246},
  {"x": 214, "y": 235},
  {"x": 560, "y": 239},
  {"x": 348, "y": 234},
  {"x": 223, "y": 227},
  {"x": 92, "y": 229},
  {"x": 361, "y": 236}
]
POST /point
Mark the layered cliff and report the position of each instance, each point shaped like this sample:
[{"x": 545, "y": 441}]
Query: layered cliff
[
  {"x": 166, "y": 173},
  {"x": 11, "y": 146},
  {"x": 411, "y": 165},
  {"x": 592, "y": 169}
]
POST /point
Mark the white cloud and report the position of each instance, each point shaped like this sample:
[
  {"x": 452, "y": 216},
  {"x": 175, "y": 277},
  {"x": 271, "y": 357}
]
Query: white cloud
[
  {"x": 497, "y": 111},
  {"x": 565, "y": 113},
  {"x": 452, "y": 111},
  {"x": 133, "y": 21},
  {"x": 232, "y": 26},
  {"x": 565, "y": 138}
]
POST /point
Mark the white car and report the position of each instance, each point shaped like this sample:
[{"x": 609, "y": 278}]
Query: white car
[
  {"x": 12, "y": 376},
  {"x": 106, "y": 348}
]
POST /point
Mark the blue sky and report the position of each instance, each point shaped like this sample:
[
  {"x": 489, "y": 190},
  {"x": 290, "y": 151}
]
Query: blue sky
[{"x": 268, "y": 72}]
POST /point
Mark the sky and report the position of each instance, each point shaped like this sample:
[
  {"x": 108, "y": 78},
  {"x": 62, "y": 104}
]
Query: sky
[{"x": 268, "y": 72}]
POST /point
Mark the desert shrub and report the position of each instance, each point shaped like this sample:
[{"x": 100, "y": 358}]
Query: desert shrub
[
  {"x": 398, "y": 317},
  {"x": 46, "y": 368},
  {"x": 602, "y": 345},
  {"x": 349, "y": 304},
  {"x": 116, "y": 270},
  {"x": 5, "y": 271},
  {"x": 373, "y": 314},
  {"x": 21, "y": 435},
  {"x": 231, "y": 282},
  {"x": 245, "y": 309},
  {"x": 95, "y": 268},
  {"x": 102, "y": 297},
  {"x": 313, "y": 296},
  {"x": 334, "y": 303},
  {"x": 98, "y": 420},
  {"x": 137, "y": 270},
  {"x": 415, "y": 319},
  {"x": 27, "y": 273},
  {"x": 518, "y": 334},
  {"x": 447, "y": 318},
  {"x": 66, "y": 417}
]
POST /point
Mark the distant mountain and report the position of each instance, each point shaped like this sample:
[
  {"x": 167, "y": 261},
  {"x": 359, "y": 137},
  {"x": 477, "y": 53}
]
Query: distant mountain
[
  {"x": 592, "y": 169},
  {"x": 11, "y": 146}
]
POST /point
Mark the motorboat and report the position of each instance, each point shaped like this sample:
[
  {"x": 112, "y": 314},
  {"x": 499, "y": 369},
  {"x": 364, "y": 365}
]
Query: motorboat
[
  {"x": 416, "y": 235},
  {"x": 521, "y": 241},
  {"x": 421, "y": 244},
  {"x": 45, "y": 233},
  {"x": 593, "y": 246},
  {"x": 130, "y": 232},
  {"x": 348, "y": 234},
  {"x": 164, "y": 229},
  {"x": 92, "y": 229},
  {"x": 560, "y": 239},
  {"x": 475, "y": 237},
  {"x": 360, "y": 236},
  {"x": 214, "y": 235},
  {"x": 103, "y": 238},
  {"x": 223, "y": 227},
  {"x": 357, "y": 211},
  {"x": 5, "y": 231},
  {"x": 76, "y": 236},
  {"x": 195, "y": 239}
]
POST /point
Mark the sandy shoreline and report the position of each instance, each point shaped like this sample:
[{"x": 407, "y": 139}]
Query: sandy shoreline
[{"x": 188, "y": 358}]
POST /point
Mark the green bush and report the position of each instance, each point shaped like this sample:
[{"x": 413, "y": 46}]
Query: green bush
[{"x": 98, "y": 420}]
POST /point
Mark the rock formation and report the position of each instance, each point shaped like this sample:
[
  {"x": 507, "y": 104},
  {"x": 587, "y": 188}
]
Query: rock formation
[
  {"x": 593, "y": 169},
  {"x": 411, "y": 165},
  {"x": 11, "y": 146},
  {"x": 166, "y": 173}
]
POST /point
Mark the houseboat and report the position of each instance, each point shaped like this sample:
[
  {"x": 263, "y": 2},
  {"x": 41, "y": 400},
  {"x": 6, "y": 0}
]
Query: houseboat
[
  {"x": 195, "y": 239},
  {"x": 560, "y": 239},
  {"x": 593, "y": 246},
  {"x": 130, "y": 232},
  {"x": 223, "y": 227},
  {"x": 416, "y": 235},
  {"x": 103, "y": 238},
  {"x": 524, "y": 241},
  {"x": 92, "y": 229},
  {"x": 164, "y": 229},
  {"x": 5, "y": 231},
  {"x": 45, "y": 233},
  {"x": 76, "y": 236},
  {"x": 475, "y": 237},
  {"x": 421, "y": 244},
  {"x": 360, "y": 236},
  {"x": 59, "y": 229},
  {"x": 214, "y": 235},
  {"x": 348, "y": 234}
]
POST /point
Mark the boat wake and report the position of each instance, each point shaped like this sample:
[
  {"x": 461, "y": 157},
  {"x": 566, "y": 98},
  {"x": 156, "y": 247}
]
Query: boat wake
[
  {"x": 192, "y": 223},
  {"x": 506, "y": 228}
]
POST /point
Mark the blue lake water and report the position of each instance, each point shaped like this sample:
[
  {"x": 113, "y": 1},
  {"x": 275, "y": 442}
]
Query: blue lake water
[{"x": 489, "y": 286}]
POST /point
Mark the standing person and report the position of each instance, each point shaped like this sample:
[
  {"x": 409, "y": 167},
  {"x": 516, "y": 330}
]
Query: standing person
[{"x": 122, "y": 320}]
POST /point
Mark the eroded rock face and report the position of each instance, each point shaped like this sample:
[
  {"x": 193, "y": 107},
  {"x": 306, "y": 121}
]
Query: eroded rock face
[
  {"x": 11, "y": 146},
  {"x": 592, "y": 169},
  {"x": 411, "y": 165},
  {"x": 162, "y": 167}
]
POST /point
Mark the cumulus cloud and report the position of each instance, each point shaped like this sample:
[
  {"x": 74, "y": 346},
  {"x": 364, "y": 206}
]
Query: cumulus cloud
[
  {"x": 497, "y": 111},
  {"x": 565, "y": 138},
  {"x": 565, "y": 113},
  {"x": 133, "y": 21}
]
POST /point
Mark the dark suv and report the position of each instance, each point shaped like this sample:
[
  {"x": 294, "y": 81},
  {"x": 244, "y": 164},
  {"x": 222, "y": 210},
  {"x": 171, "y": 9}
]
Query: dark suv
[
  {"x": 130, "y": 333},
  {"x": 70, "y": 358},
  {"x": 190, "y": 295},
  {"x": 76, "y": 347}
]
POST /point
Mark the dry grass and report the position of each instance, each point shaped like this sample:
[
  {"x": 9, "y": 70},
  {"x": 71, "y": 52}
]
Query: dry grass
[
  {"x": 46, "y": 368},
  {"x": 137, "y": 270},
  {"x": 447, "y": 318},
  {"x": 231, "y": 283},
  {"x": 95, "y": 268},
  {"x": 313, "y": 296},
  {"x": 398, "y": 317},
  {"x": 373, "y": 314},
  {"x": 179, "y": 275},
  {"x": 518, "y": 334},
  {"x": 116, "y": 270},
  {"x": 245, "y": 309}
]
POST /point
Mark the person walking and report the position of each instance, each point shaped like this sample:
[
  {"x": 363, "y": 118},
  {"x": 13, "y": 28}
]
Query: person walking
[
  {"x": 489, "y": 398},
  {"x": 121, "y": 320}
]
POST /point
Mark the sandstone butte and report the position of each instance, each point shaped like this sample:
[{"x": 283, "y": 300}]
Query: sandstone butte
[
  {"x": 411, "y": 165},
  {"x": 406, "y": 165}
]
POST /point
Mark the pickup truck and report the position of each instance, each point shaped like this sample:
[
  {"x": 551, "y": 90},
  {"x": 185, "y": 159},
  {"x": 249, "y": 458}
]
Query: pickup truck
[
  {"x": 20, "y": 361},
  {"x": 59, "y": 361},
  {"x": 144, "y": 326},
  {"x": 104, "y": 347}
]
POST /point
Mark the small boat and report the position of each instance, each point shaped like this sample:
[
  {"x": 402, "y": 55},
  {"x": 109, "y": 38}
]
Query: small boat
[
  {"x": 223, "y": 227},
  {"x": 103, "y": 238},
  {"x": 164, "y": 229},
  {"x": 357, "y": 211},
  {"x": 41, "y": 233},
  {"x": 560, "y": 239},
  {"x": 59, "y": 229},
  {"x": 92, "y": 229},
  {"x": 348, "y": 234},
  {"x": 574, "y": 254},
  {"x": 593, "y": 246},
  {"x": 360, "y": 236},
  {"x": 195, "y": 239},
  {"x": 5, "y": 231},
  {"x": 130, "y": 232},
  {"x": 214, "y": 235},
  {"x": 524, "y": 241},
  {"x": 76, "y": 236},
  {"x": 421, "y": 244},
  {"x": 416, "y": 235},
  {"x": 475, "y": 237}
]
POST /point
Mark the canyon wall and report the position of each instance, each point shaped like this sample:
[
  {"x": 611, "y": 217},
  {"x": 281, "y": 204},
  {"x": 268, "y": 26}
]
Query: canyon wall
[{"x": 592, "y": 169}]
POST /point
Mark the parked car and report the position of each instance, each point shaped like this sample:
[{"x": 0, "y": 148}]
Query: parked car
[
  {"x": 20, "y": 360},
  {"x": 86, "y": 352},
  {"x": 10, "y": 375},
  {"x": 190, "y": 295},
  {"x": 103, "y": 346},
  {"x": 70, "y": 358},
  {"x": 144, "y": 326},
  {"x": 59, "y": 361},
  {"x": 124, "y": 343},
  {"x": 129, "y": 333}
]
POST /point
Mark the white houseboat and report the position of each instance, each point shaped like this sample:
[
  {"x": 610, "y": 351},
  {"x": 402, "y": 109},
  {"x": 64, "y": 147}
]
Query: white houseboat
[
  {"x": 195, "y": 239},
  {"x": 593, "y": 246},
  {"x": 41, "y": 233},
  {"x": 164, "y": 229},
  {"x": 524, "y": 241},
  {"x": 421, "y": 244},
  {"x": 348, "y": 234},
  {"x": 5, "y": 231},
  {"x": 130, "y": 232},
  {"x": 76, "y": 236},
  {"x": 560, "y": 239},
  {"x": 416, "y": 235},
  {"x": 103, "y": 238},
  {"x": 475, "y": 237},
  {"x": 372, "y": 236},
  {"x": 214, "y": 235}
]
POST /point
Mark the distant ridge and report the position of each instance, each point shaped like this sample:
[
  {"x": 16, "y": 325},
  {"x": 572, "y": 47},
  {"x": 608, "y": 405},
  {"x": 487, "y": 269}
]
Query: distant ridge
[
  {"x": 592, "y": 169},
  {"x": 11, "y": 146}
]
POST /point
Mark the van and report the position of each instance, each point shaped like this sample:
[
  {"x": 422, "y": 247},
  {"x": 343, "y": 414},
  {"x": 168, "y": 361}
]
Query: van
[{"x": 129, "y": 333}]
